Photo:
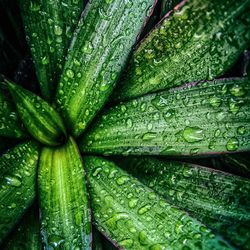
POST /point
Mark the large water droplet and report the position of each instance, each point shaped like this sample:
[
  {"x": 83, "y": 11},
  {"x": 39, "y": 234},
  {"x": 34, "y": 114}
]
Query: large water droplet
[
  {"x": 232, "y": 144},
  {"x": 215, "y": 101},
  {"x": 143, "y": 239},
  {"x": 241, "y": 130},
  {"x": 70, "y": 73},
  {"x": 57, "y": 30},
  {"x": 132, "y": 203},
  {"x": 13, "y": 181},
  {"x": 193, "y": 134},
  {"x": 237, "y": 91},
  {"x": 144, "y": 209},
  {"x": 122, "y": 180}
]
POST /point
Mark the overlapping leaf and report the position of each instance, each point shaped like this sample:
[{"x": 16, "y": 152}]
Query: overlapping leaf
[
  {"x": 217, "y": 199},
  {"x": 49, "y": 27},
  {"x": 17, "y": 181},
  {"x": 10, "y": 124},
  {"x": 99, "y": 50},
  {"x": 135, "y": 217},
  {"x": 198, "y": 41},
  {"x": 63, "y": 198},
  {"x": 208, "y": 117}
]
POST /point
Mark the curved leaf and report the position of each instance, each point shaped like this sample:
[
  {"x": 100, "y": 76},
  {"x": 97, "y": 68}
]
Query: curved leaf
[
  {"x": 17, "y": 181},
  {"x": 10, "y": 123},
  {"x": 208, "y": 117},
  {"x": 40, "y": 119},
  {"x": 27, "y": 233},
  {"x": 199, "y": 40},
  {"x": 100, "y": 47},
  {"x": 135, "y": 217},
  {"x": 63, "y": 198},
  {"x": 49, "y": 27},
  {"x": 218, "y": 199}
]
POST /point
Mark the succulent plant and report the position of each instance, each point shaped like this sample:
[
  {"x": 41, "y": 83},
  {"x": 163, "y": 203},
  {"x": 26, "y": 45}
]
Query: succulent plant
[{"x": 130, "y": 126}]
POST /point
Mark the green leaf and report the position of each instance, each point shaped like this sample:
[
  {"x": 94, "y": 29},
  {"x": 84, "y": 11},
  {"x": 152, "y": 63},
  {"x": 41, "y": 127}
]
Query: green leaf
[
  {"x": 98, "y": 52},
  {"x": 218, "y": 199},
  {"x": 10, "y": 123},
  {"x": 27, "y": 233},
  {"x": 49, "y": 28},
  {"x": 135, "y": 217},
  {"x": 40, "y": 119},
  {"x": 198, "y": 118},
  {"x": 198, "y": 41},
  {"x": 63, "y": 198},
  {"x": 17, "y": 181}
]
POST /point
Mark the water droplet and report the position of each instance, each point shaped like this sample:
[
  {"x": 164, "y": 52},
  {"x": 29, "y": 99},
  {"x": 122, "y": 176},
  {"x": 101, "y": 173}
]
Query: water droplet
[
  {"x": 158, "y": 247},
  {"x": 122, "y": 180},
  {"x": 97, "y": 172},
  {"x": 70, "y": 73},
  {"x": 217, "y": 133},
  {"x": 197, "y": 236},
  {"x": 169, "y": 114},
  {"x": 237, "y": 91},
  {"x": 88, "y": 48},
  {"x": 143, "y": 239},
  {"x": 168, "y": 150},
  {"x": 144, "y": 209},
  {"x": 12, "y": 205},
  {"x": 241, "y": 130},
  {"x": 112, "y": 222},
  {"x": 234, "y": 107},
  {"x": 187, "y": 173},
  {"x": 45, "y": 60},
  {"x": 13, "y": 181},
  {"x": 159, "y": 102},
  {"x": 221, "y": 116},
  {"x": 215, "y": 102},
  {"x": 193, "y": 134},
  {"x": 58, "y": 30},
  {"x": 34, "y": 6},
  {"x": 132, "y": 203},
  {"x": 232, "y": 144},
  {"x": 149, "y": 136},
  {"x": 55, "y": 241},
  {"x": 127, "y": 243}
]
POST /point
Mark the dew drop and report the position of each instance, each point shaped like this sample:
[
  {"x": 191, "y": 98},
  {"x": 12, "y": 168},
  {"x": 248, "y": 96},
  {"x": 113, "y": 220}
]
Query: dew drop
[
  {"x": 132, "y": 203},
  {"x": 237, "y": 91},
  {"x": 149, "y": 136},
  {"x": 58, "y": 30},
  {"x": 144, "y": 209},
  {"x": 13, "y": 181},
  {"x": 232, "y": 144},
  {"x": 193, "y": 134},
  {"x": 241, "y": 130},
  {"x": 215, "y": 102},
  {"x": 70, "y": 73}
]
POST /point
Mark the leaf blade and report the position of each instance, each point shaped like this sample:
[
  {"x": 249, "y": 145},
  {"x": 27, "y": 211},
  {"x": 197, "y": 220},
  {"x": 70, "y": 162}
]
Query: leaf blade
[
  {"x": 18, "y": 168},
  {"x": 10, "y": 123},
  {"x": 197, "y": 118},
  {"x": 203, "y": 47},
  {"x": 131, "y": 214},
  {"x": 49, "y": 30},
  {"x": 40, "y": 119},
  {"x": 63, "y": 198},
  {"x": 95, "y": 59}
]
